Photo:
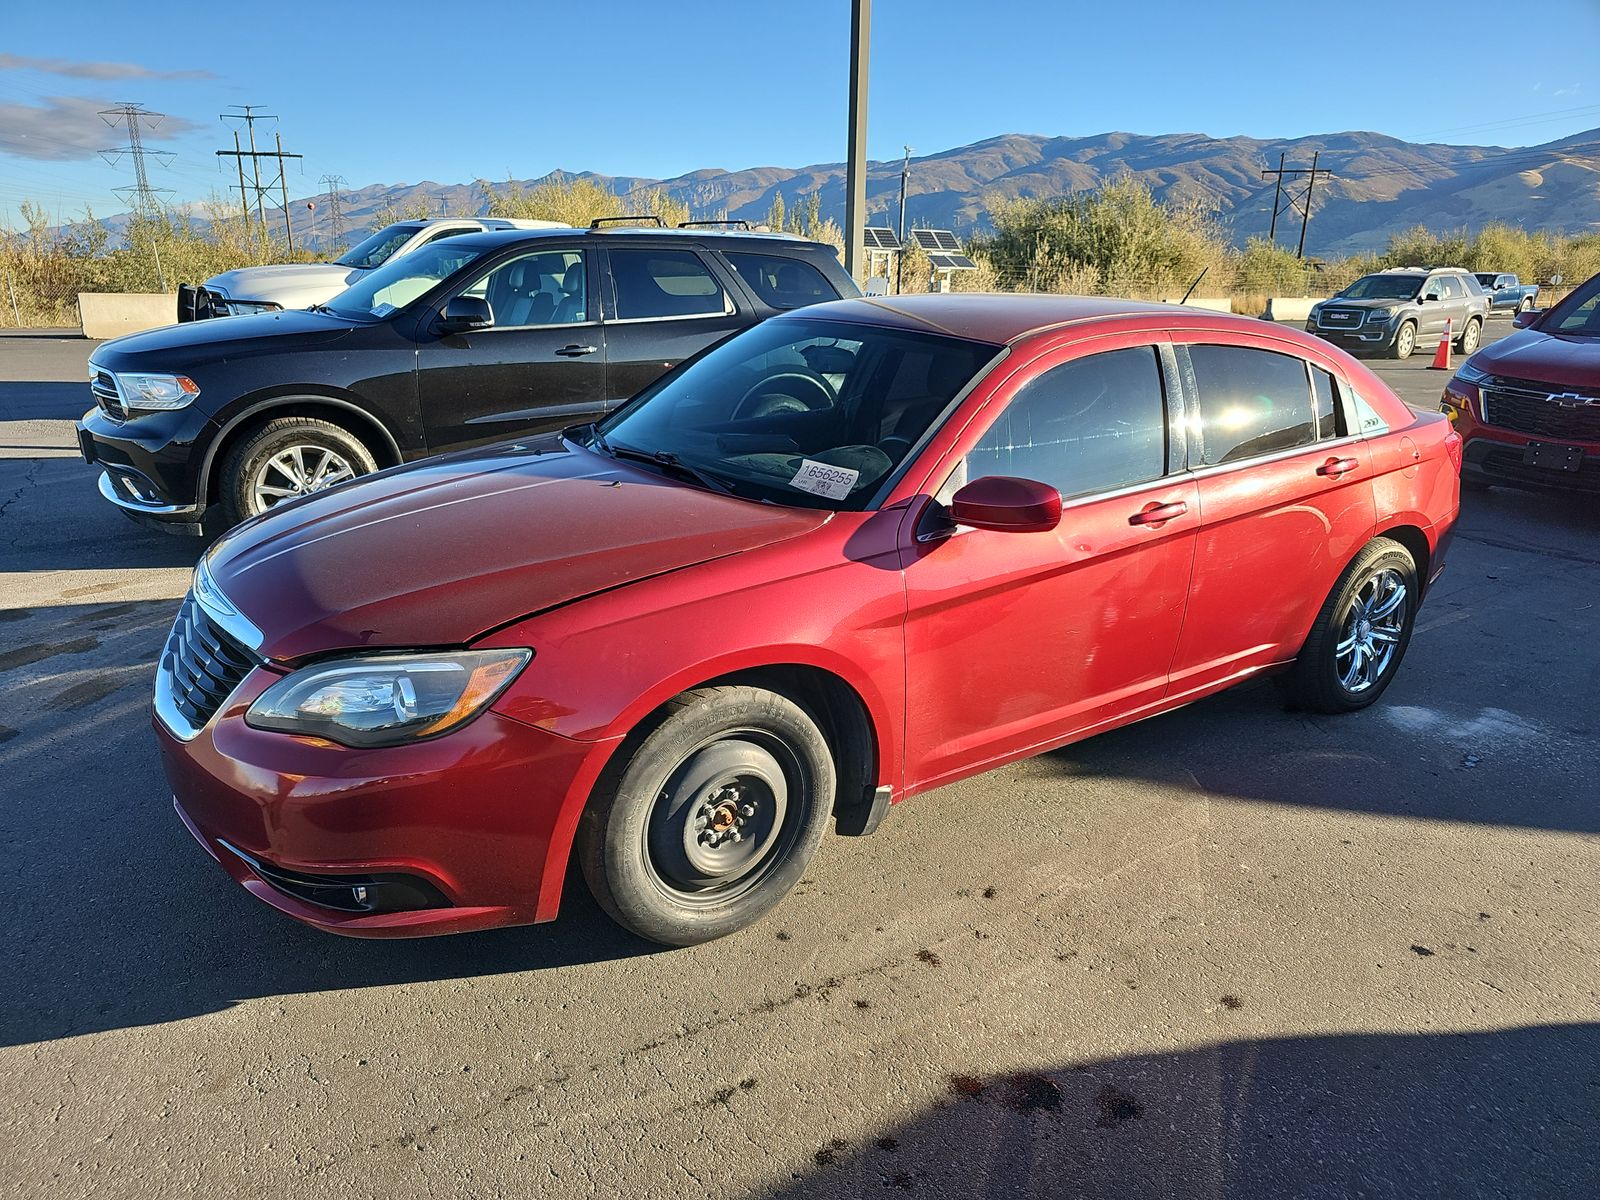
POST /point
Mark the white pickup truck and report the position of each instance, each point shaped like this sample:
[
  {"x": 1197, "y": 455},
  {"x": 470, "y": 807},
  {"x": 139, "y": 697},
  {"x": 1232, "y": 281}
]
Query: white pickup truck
[{"x": 300, "y": 285}]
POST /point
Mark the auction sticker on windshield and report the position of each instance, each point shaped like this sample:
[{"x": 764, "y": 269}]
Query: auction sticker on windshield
[{"x": 821, "y": 479}]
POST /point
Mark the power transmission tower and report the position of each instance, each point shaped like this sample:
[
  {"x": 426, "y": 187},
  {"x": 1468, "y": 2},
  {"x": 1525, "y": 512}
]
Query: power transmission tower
[
  {"x": 1290, "y": 198},
  {"x": 139, "y": 195},
  {"x": 335, "y": 214},
  {"x": 263, "y": 192}
]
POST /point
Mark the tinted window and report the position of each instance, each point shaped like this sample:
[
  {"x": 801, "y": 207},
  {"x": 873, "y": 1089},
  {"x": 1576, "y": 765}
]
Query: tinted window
[
  {"x": 1251, "y": 402},
  {"x": 547, "y": 288},
  {"x": 782, "y": 282},
  {"x": 1327, "y": 402},
  {"x": 664, "y": 283},
  {"x": 1090, "y": 425}
]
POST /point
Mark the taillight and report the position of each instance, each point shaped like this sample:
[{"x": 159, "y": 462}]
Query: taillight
[{"x": 1452, "y": 446}]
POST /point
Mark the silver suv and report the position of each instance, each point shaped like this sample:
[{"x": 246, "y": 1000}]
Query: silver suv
[{"x": 1396, "y": 311}]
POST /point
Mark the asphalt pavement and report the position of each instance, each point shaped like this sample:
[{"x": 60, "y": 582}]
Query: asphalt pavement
[{"x": 1233, "y": 951}]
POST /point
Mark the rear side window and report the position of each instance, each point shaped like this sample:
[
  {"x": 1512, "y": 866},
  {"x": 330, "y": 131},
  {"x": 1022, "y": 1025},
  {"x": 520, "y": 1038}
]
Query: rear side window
[
  {"x": 1091, "y": 425},
  {"x": 1252, "y": 402},
  {"x": 1327, "y": 402},
  {"x": 664, "y": 283},
  {"x": 782, "y": 282}
]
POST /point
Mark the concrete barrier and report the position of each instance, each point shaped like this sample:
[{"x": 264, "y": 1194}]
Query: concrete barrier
[
  {"x": 112, "y": 314},
  {"x": 1221, "y": 304},
  {"x": 1290, "y": 308}
]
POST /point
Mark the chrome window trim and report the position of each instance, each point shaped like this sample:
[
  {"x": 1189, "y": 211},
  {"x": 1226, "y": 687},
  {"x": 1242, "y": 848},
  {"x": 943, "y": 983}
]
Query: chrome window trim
[
  {"x": 524, "y": 328},
  {"x": 1348, "y": 439},
  {"x": 726, "y": 312}
]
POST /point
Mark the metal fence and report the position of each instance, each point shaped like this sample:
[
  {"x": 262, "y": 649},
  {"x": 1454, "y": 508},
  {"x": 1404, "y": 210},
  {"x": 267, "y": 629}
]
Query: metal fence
[{"x": 32, "y": 305}]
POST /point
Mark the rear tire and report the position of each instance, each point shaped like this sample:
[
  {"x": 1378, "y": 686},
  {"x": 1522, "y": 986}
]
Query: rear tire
[
  {"x": 286, "y": 458},
  {"x": 1405, "y": 341},
  {"x": 1361, "y": 633},
  {"x": 709, "y": 818}
]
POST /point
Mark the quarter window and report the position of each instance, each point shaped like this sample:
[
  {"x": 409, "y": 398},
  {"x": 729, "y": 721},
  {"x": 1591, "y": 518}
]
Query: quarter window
[
  {"x": 1327, "y": 402},
  {"x": 664, "y": 283},
  {"x": 1251, "y": 402},
  {"x": 1090, "y": 425},
  {"x": 780, "y": 281}
]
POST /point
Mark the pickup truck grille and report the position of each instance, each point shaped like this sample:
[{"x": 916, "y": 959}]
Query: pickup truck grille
[
  {"x": 1528, "y": 407},
  {"x": 103, "y": 386},
  {"x": 200, "y": 666},
  {"x": 1341, "y": 318}
]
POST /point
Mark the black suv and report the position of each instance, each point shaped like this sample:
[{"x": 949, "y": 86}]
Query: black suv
[{"x": 466, "y": 340}]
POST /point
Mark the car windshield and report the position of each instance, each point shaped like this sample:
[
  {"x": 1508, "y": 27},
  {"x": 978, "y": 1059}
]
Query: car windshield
[
  {"x": 809, "y": 413},
  {"x": 1383, "y": 287},
  {"x": 1485, "y": 279},
  {"x": 1578, "y": 315},
  {"x": 375, "y": 251},
  {"x": 402, "y": 281}
]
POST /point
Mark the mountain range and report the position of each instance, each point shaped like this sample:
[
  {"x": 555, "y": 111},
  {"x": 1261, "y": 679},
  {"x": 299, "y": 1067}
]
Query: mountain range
[{"x": 1377, "y": 186}]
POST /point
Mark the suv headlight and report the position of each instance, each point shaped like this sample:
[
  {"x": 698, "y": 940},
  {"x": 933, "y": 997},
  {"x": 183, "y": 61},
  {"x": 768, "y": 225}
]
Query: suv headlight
[
  {"x": 386, "y": 699},
  {"x": 157, "y": 391},
  {"x": 1468, "y": 373},
  {"x": 1379, "y": 315}
]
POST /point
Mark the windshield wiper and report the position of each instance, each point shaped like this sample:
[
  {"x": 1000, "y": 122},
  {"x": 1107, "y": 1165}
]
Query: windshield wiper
[
  {"x": 321, "y": 308},
  {"x": 669, "y": 460}
]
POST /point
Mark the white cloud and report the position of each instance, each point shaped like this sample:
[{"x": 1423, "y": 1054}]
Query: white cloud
[
  {"x": 93, "y": 70},
  {"x": 67, "y": 128}
]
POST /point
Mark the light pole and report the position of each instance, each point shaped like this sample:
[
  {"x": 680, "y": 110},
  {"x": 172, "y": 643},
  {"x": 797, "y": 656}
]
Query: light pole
[
  {"x": 855, "y": 189},
  {"x": 899, "y": 259}
]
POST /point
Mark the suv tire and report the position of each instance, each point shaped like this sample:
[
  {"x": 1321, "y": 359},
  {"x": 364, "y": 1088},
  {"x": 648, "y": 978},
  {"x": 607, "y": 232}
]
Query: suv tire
[
  {"x": 1405, "y": 341},
  {"x": 1471, "y": 335},
  {"x": 286, "y": 458}
]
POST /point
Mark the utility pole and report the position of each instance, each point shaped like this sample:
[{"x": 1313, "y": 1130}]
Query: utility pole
[
  {"x": 1288, "y": 198},
  {"x": 900, "y": 258},
  {"x": 335, "y": 215},
  {"x": 140, "y": 196},
  {"x": 855, "y": 192},
  {"x": 250, "y": 116}
]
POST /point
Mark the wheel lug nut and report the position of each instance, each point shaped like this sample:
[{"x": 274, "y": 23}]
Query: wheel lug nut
[{"x": 747, "y": 810}]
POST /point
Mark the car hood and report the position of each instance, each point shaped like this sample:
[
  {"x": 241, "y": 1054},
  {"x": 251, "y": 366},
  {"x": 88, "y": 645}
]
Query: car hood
[
  {"x": 441, "y": 552},
  {"x": 263, "y": 283},
  {"x": 1558, "y": 359},
  {"x": 1336, "y": 302},
  {"x": 204, "y": 341}
]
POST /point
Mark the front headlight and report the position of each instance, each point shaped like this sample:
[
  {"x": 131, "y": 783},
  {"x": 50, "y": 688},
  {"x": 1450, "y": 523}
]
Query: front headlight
[
  {"x": 157, "y": 391},
  {"x": 1379, "y": 315},
  {"x": 1468, "y": 373},
  {"x": 386, "y": 699}
]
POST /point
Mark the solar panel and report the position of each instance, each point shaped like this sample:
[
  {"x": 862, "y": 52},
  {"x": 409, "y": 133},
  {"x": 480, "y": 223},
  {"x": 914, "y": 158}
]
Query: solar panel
[
  {"x": 937, "y": 241},
  {"x": 952, "y": 262},
  {"x": 881, "y": 237}
]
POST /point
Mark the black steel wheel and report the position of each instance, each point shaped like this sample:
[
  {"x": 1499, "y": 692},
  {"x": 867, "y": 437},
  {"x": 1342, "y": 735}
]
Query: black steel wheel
[{"x": 709, "y": 815}]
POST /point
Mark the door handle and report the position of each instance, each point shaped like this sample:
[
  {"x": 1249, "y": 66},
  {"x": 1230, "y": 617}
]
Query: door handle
[
  {"x": 576, "y": 351},
  {"x": 1338, "y": 466},
  {"x": 1157, "y": 514}
]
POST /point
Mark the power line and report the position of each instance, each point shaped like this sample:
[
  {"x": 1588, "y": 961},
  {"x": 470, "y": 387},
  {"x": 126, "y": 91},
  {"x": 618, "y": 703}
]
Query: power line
[
  {"x": 263, "y": 192},
  {"x": 335, "y": 214},
  {"x": 1296, "y": 200},
  {"x": 140, "y": 196}
]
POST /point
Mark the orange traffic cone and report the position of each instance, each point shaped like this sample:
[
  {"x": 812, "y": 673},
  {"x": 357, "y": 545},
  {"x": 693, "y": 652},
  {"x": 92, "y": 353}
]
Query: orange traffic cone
[{"x": 1441, "y": 357}]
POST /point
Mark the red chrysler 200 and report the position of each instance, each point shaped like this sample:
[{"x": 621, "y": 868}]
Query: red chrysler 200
[{"x": 844, "y": 557}]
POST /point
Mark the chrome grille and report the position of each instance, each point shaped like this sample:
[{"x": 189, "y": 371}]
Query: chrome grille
[
  {"x": 107, "y": 395},
  {"x": 200, "y": 667},
  {"x": 1527, "y": 407},
  {"x": 1341, "y": 318}
]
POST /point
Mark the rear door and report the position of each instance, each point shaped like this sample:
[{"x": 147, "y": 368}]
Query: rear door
[
  {"x": 1286, "y": 500},
  {"x": 541, "y": 366},
  {"x": 662, "y": 304}
]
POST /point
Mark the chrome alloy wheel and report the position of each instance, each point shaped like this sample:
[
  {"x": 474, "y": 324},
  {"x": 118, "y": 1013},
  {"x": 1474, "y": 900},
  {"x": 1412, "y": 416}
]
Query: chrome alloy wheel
[
  {"x": 297, "y": 471},
  {"x": 1371, "y": 631},
  {"x": 721, "y": 818}
]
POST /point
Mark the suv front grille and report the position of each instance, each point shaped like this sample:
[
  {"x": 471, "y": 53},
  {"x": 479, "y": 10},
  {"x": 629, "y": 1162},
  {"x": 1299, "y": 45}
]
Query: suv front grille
[
  {"x": 103, "y": 385},
  {"x": 1341, "y": 318},
  {"x": 1528, "y": 407},
  {"x": 200, "y": 667}
]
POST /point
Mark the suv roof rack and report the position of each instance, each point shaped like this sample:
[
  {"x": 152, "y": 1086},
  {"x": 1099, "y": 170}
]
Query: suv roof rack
[
  {"x": 733, "y": 222},
  {"x": 638, "y": 219}
]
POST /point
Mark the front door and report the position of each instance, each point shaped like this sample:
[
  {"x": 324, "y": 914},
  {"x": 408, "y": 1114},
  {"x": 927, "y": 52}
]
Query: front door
[
  {"x": 540, "y": 366},
  {"x": 663, "y": 305},
  {"x": 1285, "y": 502},
  {"x": 1015, "y": 641}
]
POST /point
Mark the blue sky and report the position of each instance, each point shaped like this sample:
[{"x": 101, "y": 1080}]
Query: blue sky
[{"x": 407, "y": 91}]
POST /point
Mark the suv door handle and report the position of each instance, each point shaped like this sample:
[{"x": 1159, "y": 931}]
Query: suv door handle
[
  {"x": 1157, "y": 514},
  {"x": 576, "y": 351},
  {"x": 1338, "y": 466}
]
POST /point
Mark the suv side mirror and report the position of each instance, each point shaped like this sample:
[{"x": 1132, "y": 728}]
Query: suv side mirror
[
  {"x": 1007, "y": 505},
  {"x": 464, "y": 313},
  {"x": 1430, "y": 298},
  {"x": 1526, "y": 318}
]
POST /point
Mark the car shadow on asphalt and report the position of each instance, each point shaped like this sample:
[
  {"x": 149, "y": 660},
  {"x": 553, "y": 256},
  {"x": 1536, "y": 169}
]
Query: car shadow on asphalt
[
  {"x": 1505, "y": 1112},
  {"x": 44, "y": 400}
]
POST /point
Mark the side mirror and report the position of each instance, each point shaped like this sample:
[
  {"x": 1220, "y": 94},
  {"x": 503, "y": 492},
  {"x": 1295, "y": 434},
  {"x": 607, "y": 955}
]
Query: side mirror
[
  {"x": 465, "y": 313},
  {"x": 1526, "y": 318},
  {"x": 1430, "y": 298},
  {"x": 1007, "y": 505}
]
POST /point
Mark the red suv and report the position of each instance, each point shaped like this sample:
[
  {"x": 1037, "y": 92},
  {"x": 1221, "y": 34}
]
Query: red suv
[
  {"x": 1528, "y": 406},
  {"x": 844, "y": 557}
]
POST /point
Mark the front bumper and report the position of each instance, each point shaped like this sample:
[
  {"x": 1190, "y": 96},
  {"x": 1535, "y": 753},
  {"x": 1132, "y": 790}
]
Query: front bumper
[
  {"x": 1493, "y": 455},
  {"x": 475, "y": 826},
  {"x": 152, "y": 465}
]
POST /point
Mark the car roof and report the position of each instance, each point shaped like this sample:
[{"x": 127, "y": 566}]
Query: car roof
[
  {"x": 493, "y": 239},
  {"x": 1003, "y": 318}
]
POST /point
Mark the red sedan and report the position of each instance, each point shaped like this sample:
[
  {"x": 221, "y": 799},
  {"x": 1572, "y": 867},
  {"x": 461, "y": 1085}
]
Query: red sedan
[{"x": 847, "y": 556}]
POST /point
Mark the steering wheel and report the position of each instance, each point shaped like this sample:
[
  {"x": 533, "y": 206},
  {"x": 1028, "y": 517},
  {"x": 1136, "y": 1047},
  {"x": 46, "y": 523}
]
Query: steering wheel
[
  {"x": 895, "y": 446},
  {"x": 768, "y": 396}
]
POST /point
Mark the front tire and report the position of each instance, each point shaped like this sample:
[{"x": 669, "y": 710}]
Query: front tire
[
  {"x": 1470, "y": 336},
  {"x": 1361, "y": 633},
  {"x": 1405, "y": 341},
  {"x": 286, "y": 458},
  {"x": 708, "y": 820}
]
